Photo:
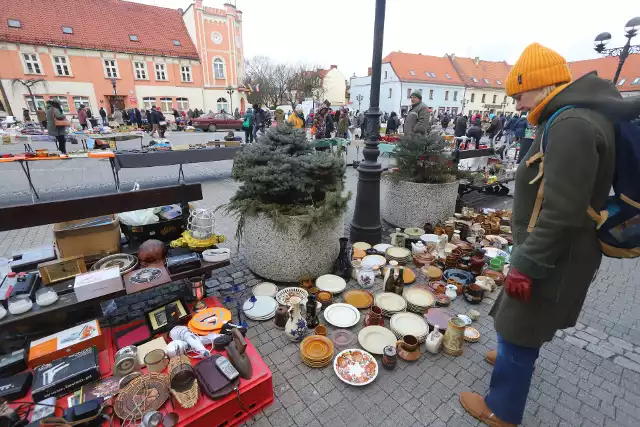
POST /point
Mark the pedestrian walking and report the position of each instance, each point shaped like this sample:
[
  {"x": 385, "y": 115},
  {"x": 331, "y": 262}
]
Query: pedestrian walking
[
  {"x": 138, "y": 115},
  {"x": 444, "y": 121},
  {"x": 320, "y": 121},
  {"x": 132, "y": 116},
  {"x": 393, "y": 124},
  {"x": 117, "y": 116},
  {"x": 82, "y": 117},
  {"x": 258, "y": 121},
  {"x": 103, "y": 115},
  {"x": 246, "y": 126},
  {"x": 495, "y": 127},
  {"x": 342, "y": 129},
  {"x": 460, "y": 126},
  {"x": 236, "y": 114},
  {"x": 57, "y": 124},
  {"x": 25, "y": 115}
]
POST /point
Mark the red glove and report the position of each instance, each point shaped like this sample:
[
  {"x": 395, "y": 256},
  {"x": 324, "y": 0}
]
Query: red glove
[{"x": 518, "y": 285}]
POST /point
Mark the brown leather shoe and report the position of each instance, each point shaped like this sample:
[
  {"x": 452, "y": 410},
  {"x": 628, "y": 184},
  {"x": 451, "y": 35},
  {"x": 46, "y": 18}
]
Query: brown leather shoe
[
  {"x": 491, "y": 356},
  {"x": 474, "y": 404}
]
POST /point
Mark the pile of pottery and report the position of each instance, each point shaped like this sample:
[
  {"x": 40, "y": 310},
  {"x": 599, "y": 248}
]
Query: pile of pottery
[
  {"x": 401, "y": 255},
  {"x": 390, "y": 303},
  {"x": 418, "y": 298},
  {"x": 316, "y": 351},
  {"x": 402, "y": 324}
]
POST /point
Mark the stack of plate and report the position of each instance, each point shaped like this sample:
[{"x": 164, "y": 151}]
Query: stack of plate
[
  {"x": 402, "y": 324},
  {"x": 263, "y": 308},
  {"x": 316, "y": 351},
  {"x": 390, "y": 303},
  {"x": 331, "y": 283},
  {"x": 418, "y": 299},
  {"x": 265, "y": 289},
  {"x": 375, "y": 338},
  {"x": 401, "y": 255}
]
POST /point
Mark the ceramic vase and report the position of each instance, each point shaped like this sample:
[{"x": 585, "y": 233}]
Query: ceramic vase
[
  {"x": 434, "y": 340},
  {"x": 451, "y": 292},
  {"x": 454, "y": 337},
  {"x": 366, "y": 277},
  {"x": 374, "y": 317},
  {"x": 296, "y": 327},
  {"x": 342, "y": 264}
]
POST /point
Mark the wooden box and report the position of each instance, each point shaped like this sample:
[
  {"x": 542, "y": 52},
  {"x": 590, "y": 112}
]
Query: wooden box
[{"x": 93, "y": 238}]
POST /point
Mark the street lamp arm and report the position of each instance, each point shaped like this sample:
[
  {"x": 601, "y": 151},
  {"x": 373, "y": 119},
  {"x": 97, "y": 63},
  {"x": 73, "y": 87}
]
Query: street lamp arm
[{"x": 617, "y": 51}]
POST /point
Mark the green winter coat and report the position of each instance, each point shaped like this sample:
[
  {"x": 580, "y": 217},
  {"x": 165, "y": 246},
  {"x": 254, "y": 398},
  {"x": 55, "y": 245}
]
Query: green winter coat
[
  {"x": 418, "y": 123},
  {"x": 52, "y": 129},
  {"x": 562, "y": 253}
]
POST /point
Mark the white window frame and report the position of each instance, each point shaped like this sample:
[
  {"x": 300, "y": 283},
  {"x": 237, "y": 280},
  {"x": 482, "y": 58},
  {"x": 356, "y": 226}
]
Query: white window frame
[
  {"x": 185, "y": 74},
  {"x": 33, "y": 60},
  {"x": 183, "y": 104},
  {"x": 111, "y": 68},
  {"x": 161, "y": 73},
  {"x": 64, "y": 101},
  {"x": 636, "y": 81},
  {"x": 143, "y": 71},
  {"x": 409, "y": 93},
  {"x": 148, "y": 102},
  {"x": 215, "y": 71},
  {"x": 39, "y": 102},
  {"x": 67, "y": 65},
  {"x": 430, "y": 94},
  {"x": 621, "y": 82},
  {"x": 413, "y": 73},
  {"x": 484, "y": 97},
  {"x": 455, "y": 95},
  {"x": 495, "y": 99},
  {"x": 84, "y": 100},
  {"x": 163, "y": 103},
  {"x": 222, "y": 104}
]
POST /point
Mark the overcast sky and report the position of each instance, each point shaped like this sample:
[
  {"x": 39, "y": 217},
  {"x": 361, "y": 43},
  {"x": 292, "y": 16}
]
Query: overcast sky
[{"x": 340, "y": 32}]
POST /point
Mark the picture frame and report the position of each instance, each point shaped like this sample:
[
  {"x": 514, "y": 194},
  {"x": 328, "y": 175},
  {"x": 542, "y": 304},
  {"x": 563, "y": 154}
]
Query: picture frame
[{"x": 158, "y": 318}]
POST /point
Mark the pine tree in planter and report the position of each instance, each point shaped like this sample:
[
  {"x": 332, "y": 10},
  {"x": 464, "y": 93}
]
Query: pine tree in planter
[{"x": 289, "y": 205}]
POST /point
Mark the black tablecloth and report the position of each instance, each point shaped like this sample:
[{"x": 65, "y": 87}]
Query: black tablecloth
[{"x": 166, "y": 158}]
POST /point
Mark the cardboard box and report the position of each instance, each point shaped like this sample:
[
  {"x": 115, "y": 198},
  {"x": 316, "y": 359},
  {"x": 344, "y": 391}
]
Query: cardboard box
[
  {"x": 64, "y": 375},
  {"x": 97, "y": 283},
  {"x": 72, "y": 340},
  {"x": 93, "y": 238}
]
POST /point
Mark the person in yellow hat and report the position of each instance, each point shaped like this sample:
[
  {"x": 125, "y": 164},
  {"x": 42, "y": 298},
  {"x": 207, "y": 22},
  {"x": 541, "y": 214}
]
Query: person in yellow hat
[{"x": 556, "y": 252}]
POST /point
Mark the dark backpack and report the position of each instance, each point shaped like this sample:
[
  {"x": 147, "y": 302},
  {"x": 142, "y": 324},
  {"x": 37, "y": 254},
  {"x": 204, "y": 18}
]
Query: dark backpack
[{"x": 618, "y": 221}]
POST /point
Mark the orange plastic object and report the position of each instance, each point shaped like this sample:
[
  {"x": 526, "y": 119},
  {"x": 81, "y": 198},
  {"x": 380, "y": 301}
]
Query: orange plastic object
[{"x": 101, "y": 155}]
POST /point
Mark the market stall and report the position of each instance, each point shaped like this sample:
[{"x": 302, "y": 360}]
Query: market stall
[{"x": 24, "y": 164}]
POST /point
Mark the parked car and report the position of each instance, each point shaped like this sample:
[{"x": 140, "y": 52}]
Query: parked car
[{"x": 217, "y": 121}]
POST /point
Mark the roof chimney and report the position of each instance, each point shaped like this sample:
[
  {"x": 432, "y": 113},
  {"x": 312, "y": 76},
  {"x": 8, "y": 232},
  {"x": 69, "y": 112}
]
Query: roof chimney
[
  {"x": 452, "y": 56},
  {"x": 198, "y": 4},
  {"x": 333, "y": 67},
  {"x": 476, "y": 60},
  {"x": 369, "y": 71}
]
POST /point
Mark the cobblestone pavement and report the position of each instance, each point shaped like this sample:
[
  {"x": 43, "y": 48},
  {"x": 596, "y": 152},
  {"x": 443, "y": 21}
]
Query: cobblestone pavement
[{"x": 588, "y": 375}]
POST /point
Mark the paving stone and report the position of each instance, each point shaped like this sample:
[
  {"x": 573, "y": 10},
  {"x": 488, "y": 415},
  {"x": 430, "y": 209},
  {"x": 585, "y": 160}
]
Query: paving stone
[
  {"x": 593, "y": 415},
  {"x": 600, "y": 350},
  {"x": 596, "y": 333},
  {"x": 633, "y": 356},
  {"x": 576, "y": 341},
  {"x": 627, "y": 363},
  {"x": 621, "y": 343},
  {"x": 586, "y": 337}
]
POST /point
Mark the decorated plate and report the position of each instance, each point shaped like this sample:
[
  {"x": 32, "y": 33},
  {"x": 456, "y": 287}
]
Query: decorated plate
[
  {"x": 124, "y": 262},
  {"x": 358, "y": 298},
  {"x": 419, "y": 297},
  {"x": 439, "y": 316},
  {"x": 414, "y": 232},
  {"x": 374, "y": 260},
  {"x": 466, "y": 319},
  {"x": 342, "y": 315},
  {"x": 464, "y": 277},
  {"x": 285, "y": 294},
  {"x": 266, "y": 289},
  {"x": 433, "y": 272},
  {"x": 355, "y": 367},
  {"x": 375, "y": 338},
  {"x": 209, "y": 320},
  {"x": 409, "y": 324},
  {"x": 331, "y": 283},
  {"x": 389, "y": 301}
]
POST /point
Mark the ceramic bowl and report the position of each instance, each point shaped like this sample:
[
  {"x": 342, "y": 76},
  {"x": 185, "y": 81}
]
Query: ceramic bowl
[{"x": 429, "y": 239}]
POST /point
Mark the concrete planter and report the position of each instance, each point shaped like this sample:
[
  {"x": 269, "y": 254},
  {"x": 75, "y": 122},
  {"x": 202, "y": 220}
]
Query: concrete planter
[
  {"x": 284, "y": 256},
  {"x": 409, "y": 204}
]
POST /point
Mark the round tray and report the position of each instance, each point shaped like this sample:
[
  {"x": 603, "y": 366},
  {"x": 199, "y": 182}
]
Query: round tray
[
  {"x": 150, "y": 391},
  {"x": 125, "y": 262}
]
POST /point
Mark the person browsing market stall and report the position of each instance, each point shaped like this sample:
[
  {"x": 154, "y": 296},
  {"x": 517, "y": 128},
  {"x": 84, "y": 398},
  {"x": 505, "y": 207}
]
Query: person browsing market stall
[
  {"x": 297, "y": 118},
  {"x": 556, "y": 251}
]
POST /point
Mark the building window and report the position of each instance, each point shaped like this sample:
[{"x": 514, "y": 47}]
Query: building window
[
  {"x": 431, "y": 94},
  {"x": 484, "y": 96},
  {"x": 433, "y": 74},
  {"x": 39, "y": 103},
  {"x": 447, "y": 76},
  {"x": 148, "y": 102},
  {"x": 111, "y": 69},
  {"x": 621, "y": 82},
  {"x": 177, "y": 43},
  {"x": 14, "y": 23},
  {"x": 505, "y": 99},
  {"x": 166, "y": 104},
  {"x": 412, "y": 72},
  {"x": 390, "y": 92},
  {"x": 81, "y": 100},
  {"x": 183, "y": 103},
  {"x": 385, "y": 75},
  {"x": 222, "y": 105},
  {"x": 408, "y": 93},
  {"x": 473, "y": 97},
  {"x": 133, "y": 37},
  {"x": 218, "y": 68},
  {"x": 64, "y": 103},
  {"x": 161, "y": 71},
  {"x": 140, "y": 69},
  {"x": 185, "y": 72},
  {"x": 486, "y": 81},
  {"x": 446, "y": 95},
  {"x": 455, "y": 95},
  {"x": 636, "y": 81},
  {"x": 67, "y": 30},
  {"x": 474, "y": 79},
  {"x": 495, "y": 97},
  {"x": 61, "y": 66},
  {"x": 499, "y": 82},
  {"x": 32, "y": 63}
]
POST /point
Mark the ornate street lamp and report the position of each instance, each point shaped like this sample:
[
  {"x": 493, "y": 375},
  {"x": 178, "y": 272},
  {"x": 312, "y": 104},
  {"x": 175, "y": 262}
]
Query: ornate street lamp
[
  {"x": 365, "y": 225},
  {"x": 601, "y": 40},
  {"x": 464, "y": 102},
  {"x": 359, "y": 98},
  {"x": 115, "y": 94},
  {"x": 230, "y": 91}
]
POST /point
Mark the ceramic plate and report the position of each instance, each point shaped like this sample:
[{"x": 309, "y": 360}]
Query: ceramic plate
[
  {"x": 439, "y": 316},
  {"x": 262, "y": 306},
  {"x": 409, "y": 324},
  {"x": 359, "y": 299},
  {"x": 342, "y": 338},
  {"x": 491, "y": 252},
  {"x": 389, "y": 301},
  {"x": 374, "y": 260},
  {"x": 265, "y": 288},
  {"x": 355, "y": 367},
  {"x": 449, "y": 248},
  {"x": 361, "y": 245},
  {"x": 466, "y": 319},
  {"x": 375, "y": 338},
  {"x": 283, "y": 296},
  {"x": 316, "y": 348},
  {"x": 419, "y": 297},
  {"x": 429, "y": 238},
  {"x": 331, "y": 283},
  {"x": 382, "y": 247},
  {"x": 398, "y": 252},
  {"x": 471, "y": 334},
  {"x": 433, "y": 272},
  {"x": 414, "y": 232},
  {"x": 342, "y": 315}
]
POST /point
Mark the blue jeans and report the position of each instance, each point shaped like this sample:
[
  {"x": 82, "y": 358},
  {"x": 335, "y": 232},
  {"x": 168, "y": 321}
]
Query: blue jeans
[{"x": 511, "y": 380}]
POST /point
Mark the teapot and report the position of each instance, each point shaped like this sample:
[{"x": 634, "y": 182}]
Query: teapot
[{"x": 417, "y": 248}]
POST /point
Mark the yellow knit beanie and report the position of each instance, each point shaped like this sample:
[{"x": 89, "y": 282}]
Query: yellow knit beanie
[{"x": 537, "y": 67}]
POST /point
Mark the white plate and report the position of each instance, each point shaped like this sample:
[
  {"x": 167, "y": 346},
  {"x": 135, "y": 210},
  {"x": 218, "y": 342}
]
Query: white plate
[
  {"x": 267, "y": 317},
  {"x": 389, "y": 301},
  {"x": 342, "y": 315},
  {"x": 419, "y": 297},
  {"x": 382, "y": 247},
  {"x": 398, "y": 252},
  {"x": 373, "y": 260},
  {"x": 429, "y": 238},
  {"x": 491, "y": 252},
  {"x": 283, "y": 295},
  {"x": 409, "y": 324},
  {"x": 375, "y": 338},
  {"x": 263, "y": 306},
  {"x": 466, "y": 319},
  {"x": 267, "y": 289},
  {"x": 331, "y": 283},
  {"x": 361, "y": 245}
]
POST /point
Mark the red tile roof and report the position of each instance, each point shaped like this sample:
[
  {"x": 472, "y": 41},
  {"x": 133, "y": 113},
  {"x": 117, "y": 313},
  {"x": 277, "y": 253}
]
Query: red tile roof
[
  {"x": 606, "y": 68},
  {"x": 98, "y": 24},
  {"x": 404, "y": 63},
  {"x": 470, "y": 69}
]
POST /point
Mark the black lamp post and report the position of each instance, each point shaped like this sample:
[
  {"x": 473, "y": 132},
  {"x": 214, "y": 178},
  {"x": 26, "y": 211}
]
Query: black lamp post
[
  {"x": 463, "y": 102},
  {"x": 230, "y": 91},
  {"x": 115, "y": 94},
  {"x": 359, "y": 98},
  {"x": 602, "y": 39},
  {"x": 365, "y": 225}
]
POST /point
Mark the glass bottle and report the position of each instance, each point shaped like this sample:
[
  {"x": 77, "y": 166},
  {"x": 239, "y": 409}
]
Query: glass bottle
[
  {"x": 400, "y": 282},
  {"x": 312, "y": 315},
  {"x": 389, "y": 277},
  {"x": 342, "y": 265}
]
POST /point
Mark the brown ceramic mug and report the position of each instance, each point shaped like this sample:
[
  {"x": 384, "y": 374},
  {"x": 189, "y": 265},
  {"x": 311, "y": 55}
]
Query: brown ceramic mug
[
  {"x": 321, "y": 330},
  {"x": 409, "y": 343}
]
